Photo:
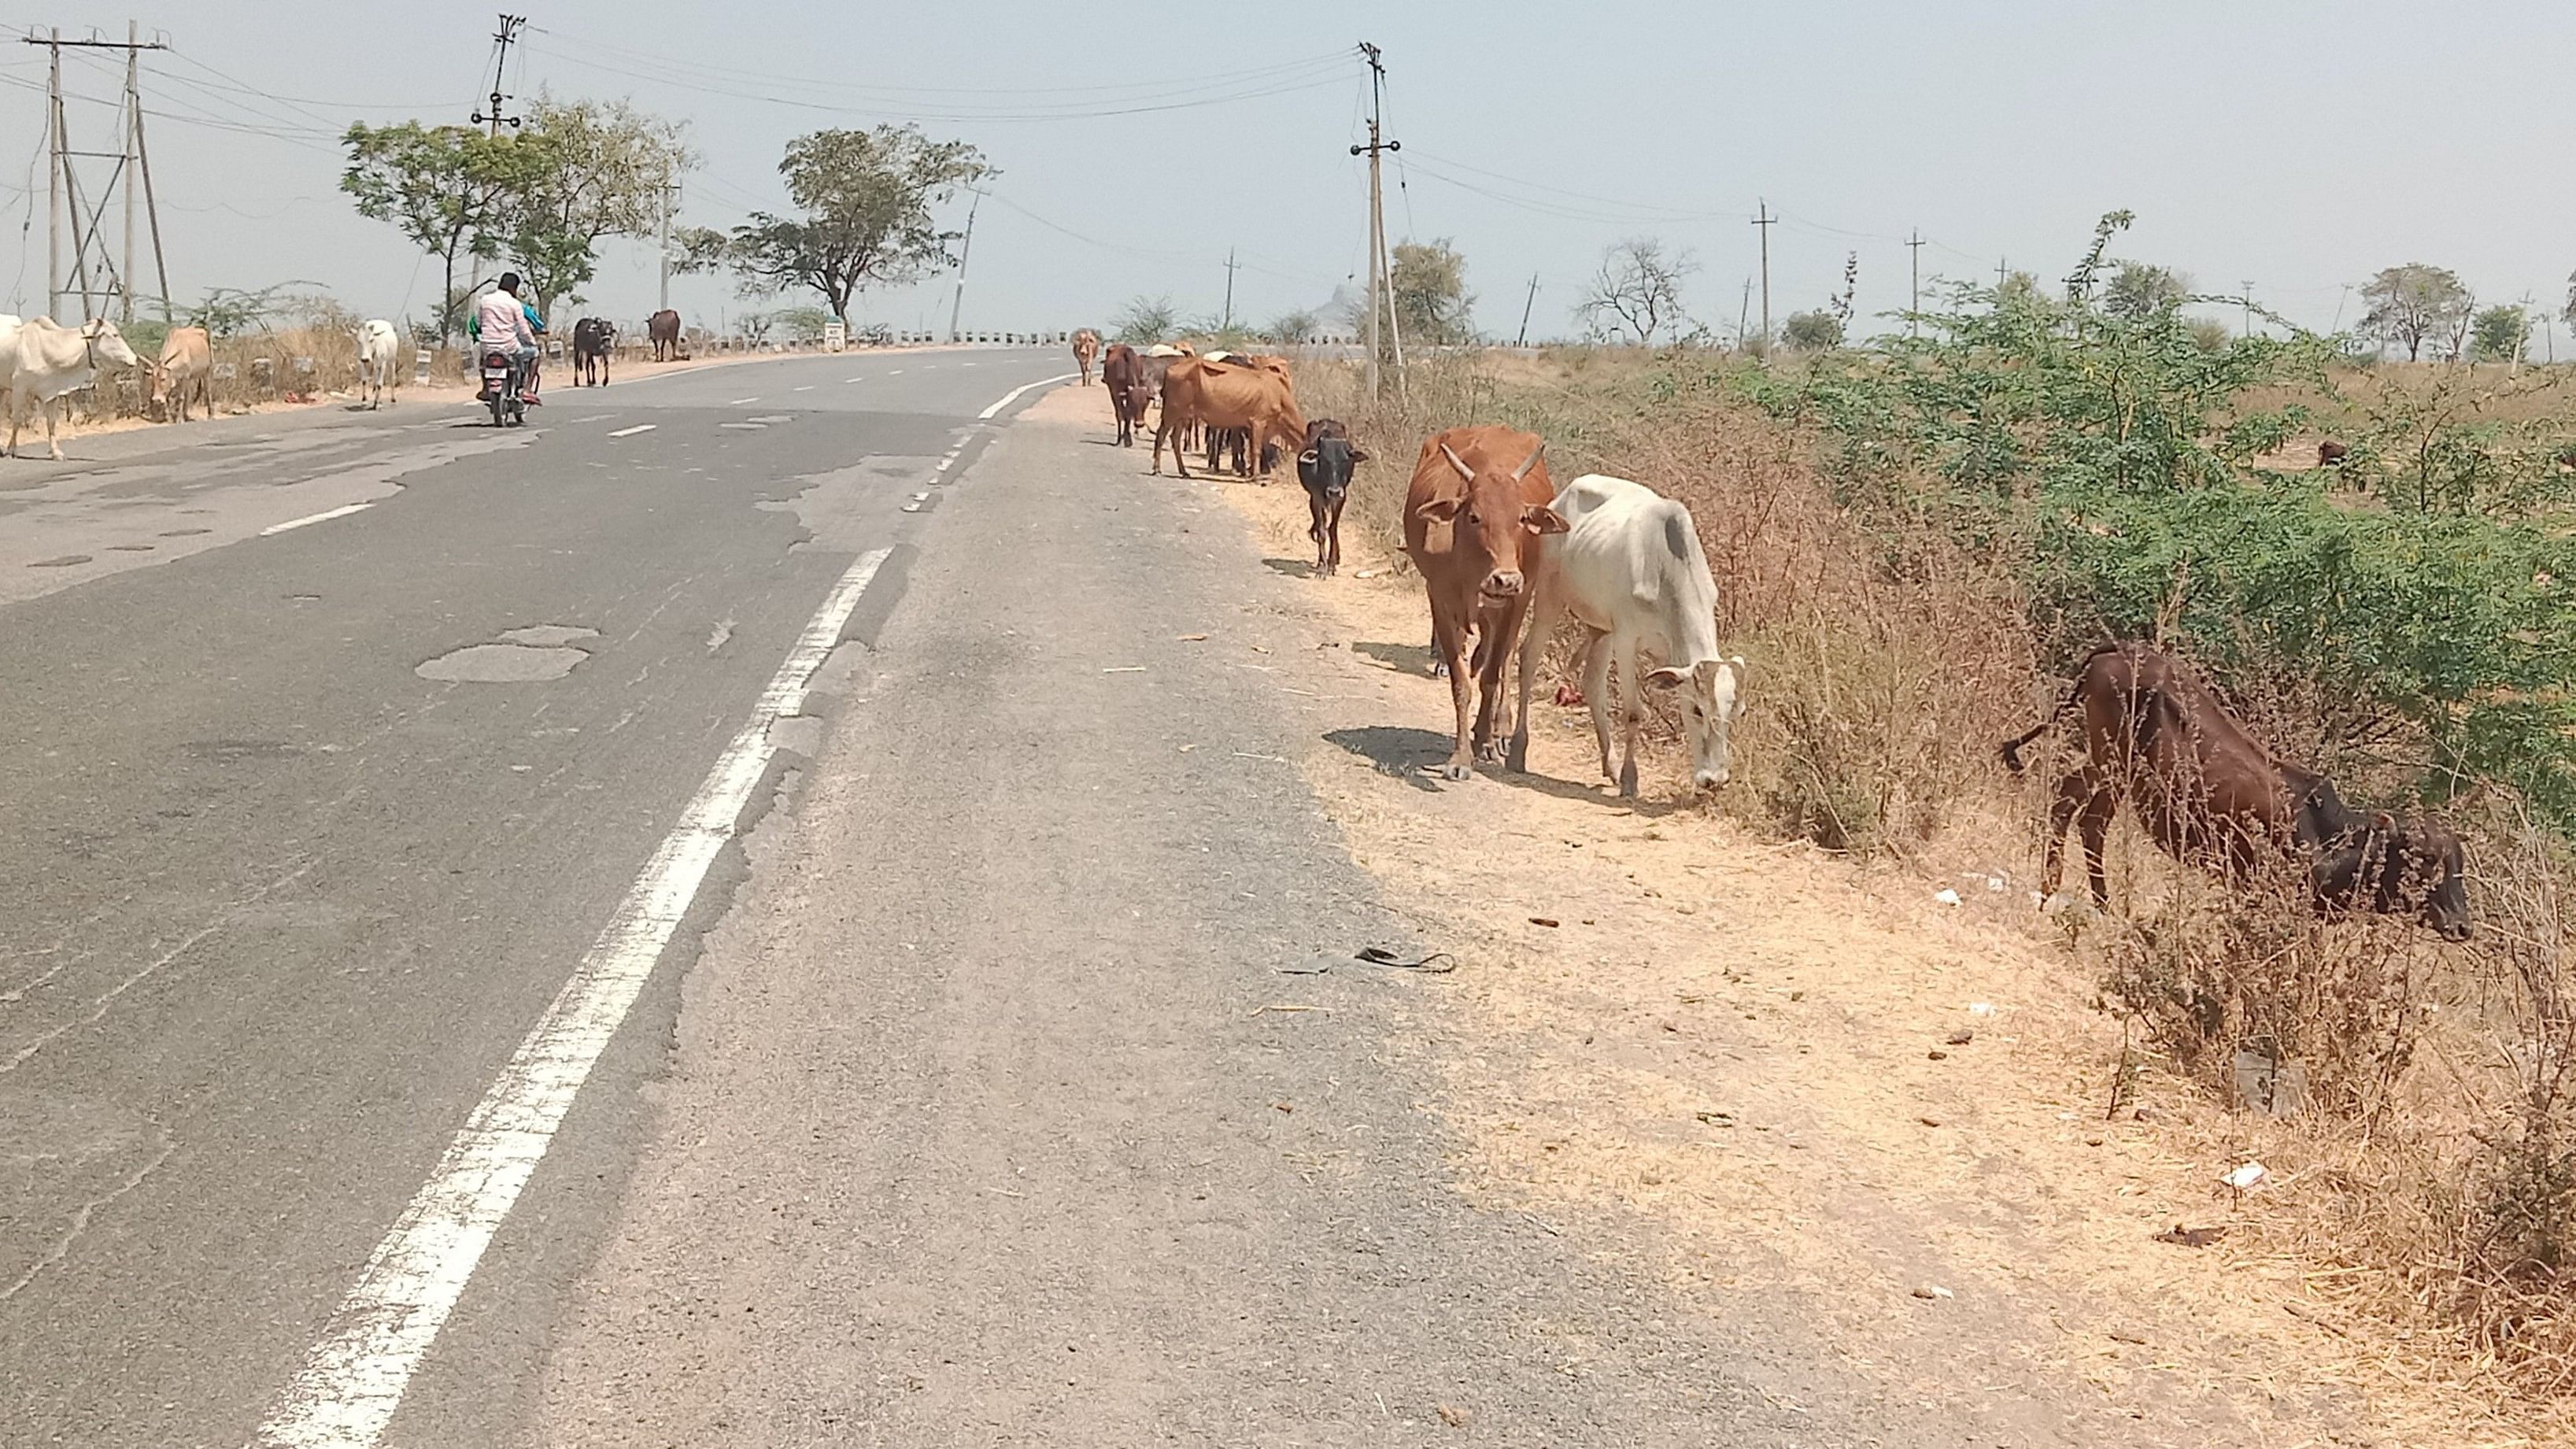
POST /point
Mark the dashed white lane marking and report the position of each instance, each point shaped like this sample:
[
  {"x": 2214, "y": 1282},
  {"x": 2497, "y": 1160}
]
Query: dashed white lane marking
[
  {"x": 854, "y": 379},
  {"x": 965, "y": 364},
  {"x": 356, "y": 1375},
  {"x": 631, "y": 432},
  {"x": 809, "y": 387},
  {"x": 894, "y": 372},
  {"x": 325, "y": 516},
  {"x": 755, "y": 427},
  {"x": 1013, "y": 395},
  {"x": 738, "y": 402}
]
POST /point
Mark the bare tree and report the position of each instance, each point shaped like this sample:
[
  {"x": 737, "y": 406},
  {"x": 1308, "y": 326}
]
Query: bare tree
[
  {"x": 2415, "y": 304},
  {"x": 1637, "y": 290}
]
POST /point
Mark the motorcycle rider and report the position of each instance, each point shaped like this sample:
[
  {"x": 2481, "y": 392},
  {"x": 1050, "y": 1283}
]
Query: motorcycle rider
[{"x": 501, "y": 316}]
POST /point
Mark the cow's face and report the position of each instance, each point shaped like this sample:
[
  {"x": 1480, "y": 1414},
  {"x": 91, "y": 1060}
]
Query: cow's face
[
  {"x": 2402, "y": 867},
  {"x": 1326, "y": 468},
  {"x": 109, "y": 344},
  {"x": 1492, "y": 525},
  {"x": 1712, "y": 699}
]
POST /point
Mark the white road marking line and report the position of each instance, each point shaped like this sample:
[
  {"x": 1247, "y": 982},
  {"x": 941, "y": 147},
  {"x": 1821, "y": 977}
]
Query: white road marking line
[
  {"x": 631, "y": 432},
  {"x": 738, "y": 402},
  {"x": 854, "y": 379},
  {"x": 356, "y": 1375},
  {"x": 755, "y": 427},
  {"x": 325, "y": 516},
  {"x": 809, "y": 387},
  {"x": 894, "y": 372},
  {"x": 593, "y": 418},
  {"x": 965, "y": 364},
  {"x": 1013, "y": 395}
]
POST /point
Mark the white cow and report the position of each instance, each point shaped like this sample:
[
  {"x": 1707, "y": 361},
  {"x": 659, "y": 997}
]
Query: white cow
[
  {"x": 379, "y": 353},
  {"x": 1630, "y": 570},
  {"x": 48, "y": 360}
]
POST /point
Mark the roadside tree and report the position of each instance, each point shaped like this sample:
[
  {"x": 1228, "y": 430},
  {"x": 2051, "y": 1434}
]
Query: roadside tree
[{"x": 2415, "y": 304}]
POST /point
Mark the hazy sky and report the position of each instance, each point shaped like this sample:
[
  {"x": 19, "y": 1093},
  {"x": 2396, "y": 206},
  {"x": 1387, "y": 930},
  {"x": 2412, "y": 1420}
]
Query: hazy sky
[{"x": 2296, "y": 146}]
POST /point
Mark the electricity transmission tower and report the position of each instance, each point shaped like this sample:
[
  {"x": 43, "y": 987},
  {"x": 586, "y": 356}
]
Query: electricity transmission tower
[
  {"x": 90, "y": 274},
  {"x": 502, "y": 40}
]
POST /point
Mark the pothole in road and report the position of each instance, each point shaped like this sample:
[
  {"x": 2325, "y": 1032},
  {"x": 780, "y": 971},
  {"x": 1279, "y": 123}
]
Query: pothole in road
[
  {"x": 530, "y": 655},
  {"x": 183, "y": 532}
]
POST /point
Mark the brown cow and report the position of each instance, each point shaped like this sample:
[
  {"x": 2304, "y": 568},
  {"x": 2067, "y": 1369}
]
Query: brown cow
[
  {"x": 663, "y": 328},
  {"x": 1474, "y": 521},
  {"x": 2330, "y": 454},
  {"x": 1199, "y": 393},
  {"x": 2208, "y": 792},
  {"x": 1086, "y": 346},
  {"x": 1124, "y": 373}
]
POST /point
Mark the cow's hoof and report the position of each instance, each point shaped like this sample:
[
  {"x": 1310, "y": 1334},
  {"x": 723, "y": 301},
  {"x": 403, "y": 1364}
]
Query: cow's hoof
[
  {"x": 1457, "y": 770},
  {"x": 1516, "y": 759},
  {"x": 1628, "y": 783}
]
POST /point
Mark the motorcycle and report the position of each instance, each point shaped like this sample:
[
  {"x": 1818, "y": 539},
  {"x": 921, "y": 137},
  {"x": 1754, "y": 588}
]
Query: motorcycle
[{"x": 501, "y": 389}]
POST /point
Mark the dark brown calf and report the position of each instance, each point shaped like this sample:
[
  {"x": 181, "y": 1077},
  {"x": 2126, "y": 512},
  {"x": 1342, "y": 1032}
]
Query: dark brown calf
[
  {"x": 2208, "y": 792},
  {"x": 1123, "y": 372},
  {"x": 2330, "y": 454}
]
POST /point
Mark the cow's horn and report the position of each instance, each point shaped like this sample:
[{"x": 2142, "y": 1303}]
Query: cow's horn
[
  {"x": 1528, "y": 463},
  {"x": 1458, "y": 463}
]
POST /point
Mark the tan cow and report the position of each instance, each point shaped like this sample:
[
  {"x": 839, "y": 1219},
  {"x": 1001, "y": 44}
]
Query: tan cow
[
  {"x": 1475, "y": 523},
  {"x": 186, "y": 367},
  {"x": 1199, "y": 393},
  {"x": 1086, "y": 348}
]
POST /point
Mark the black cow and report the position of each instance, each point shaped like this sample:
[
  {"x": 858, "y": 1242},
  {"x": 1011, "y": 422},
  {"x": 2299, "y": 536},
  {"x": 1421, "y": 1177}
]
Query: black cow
[
  {"x": 1325, "y": 466},
  {"x": 592, "y": 340}
]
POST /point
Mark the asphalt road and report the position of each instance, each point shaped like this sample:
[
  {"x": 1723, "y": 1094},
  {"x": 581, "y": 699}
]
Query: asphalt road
[{"x": 336, "y": 742}]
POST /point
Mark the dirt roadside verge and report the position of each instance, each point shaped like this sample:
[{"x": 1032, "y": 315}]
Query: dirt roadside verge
[{"x": 1756, "y": 1044}]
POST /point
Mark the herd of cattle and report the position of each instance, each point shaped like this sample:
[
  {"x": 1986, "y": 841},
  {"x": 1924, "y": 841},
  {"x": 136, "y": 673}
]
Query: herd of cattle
[{"x": 1505, "y": 555}]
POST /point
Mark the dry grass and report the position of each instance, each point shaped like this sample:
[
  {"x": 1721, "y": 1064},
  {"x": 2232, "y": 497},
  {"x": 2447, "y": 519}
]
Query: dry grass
[{"x": 2425, "y": 1200}]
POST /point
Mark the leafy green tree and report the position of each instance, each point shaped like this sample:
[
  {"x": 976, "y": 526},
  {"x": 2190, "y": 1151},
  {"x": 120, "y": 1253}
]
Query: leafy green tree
[
  {"x": 453, "y": 190},
  {"x": 2139, "y": 288},
  {"x": 802, "y": 324},
  {"x": 1428, "y": 281},
  {"x": 2415, "y": 304},
  {"x": 1146, "y": 321},
  {"x": 2500, "y": 333},
  {"x": 866, "y": 199},
  {"x": 589, "y": 169},
  {"x": 1812, "y": 331}
]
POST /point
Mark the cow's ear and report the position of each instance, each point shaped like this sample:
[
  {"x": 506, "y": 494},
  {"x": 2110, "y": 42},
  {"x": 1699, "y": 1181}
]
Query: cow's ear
[
  {"x": 1543, "y": 519},
  {"x": 1358, "y": 457},
  {"x": 1441, "y": 510},
  {"x": 1667, "y": 678}
]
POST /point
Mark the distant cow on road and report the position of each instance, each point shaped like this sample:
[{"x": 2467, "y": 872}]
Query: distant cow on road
[
  {"x": 592, "y": 339},
  {"x": 1086, "y": 348},
  {"x": 186, "y": 367},
  {"x": 1198, "y": 393},
  {"x": 379, "y": 353},
  {"x": 1124, "y": 373},
  {"x": 2208, "y": 792},
  {"x": 664, "y": 330}
]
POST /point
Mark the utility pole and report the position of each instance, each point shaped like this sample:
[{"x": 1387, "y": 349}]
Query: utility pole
[
  {"x": 1525, "y": 311},
  {"x": 1914, "y": 318},
  {"x": 63, "y": 193},
  {"x": 2248, "y": 300},
  {"x": 668, "y": 187},
  {"x": 507, "y": 36},
  {"x": 1763, "y": 223},
  {"x": 1375, "y": 149},
  {"x": 2002, "y": 265},
  {"x": 965, "y": 247},
  {"x": 1228, "y": 323}
]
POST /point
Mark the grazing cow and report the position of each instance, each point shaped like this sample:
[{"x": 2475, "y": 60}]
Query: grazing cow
[
  {"x": 593, "y": 338},
  {"x": 1086, "y": 346},
  {"x": 1123, "y": 372},
  {"x": 1631, "y": 571},
  {"x": 1474, "y": 522},
  {"x": 1199, "y": 393},
  {"x": 2330, "y": 454},
  {"x": 663, "y": 328},
  {"x": 1325, "y": 466},
  {"x": 186, "y": 366},
  {"x": 49, "y": 360},
  {"x": 2208, "y": 792},
  {"x": 379, "y": 353}
]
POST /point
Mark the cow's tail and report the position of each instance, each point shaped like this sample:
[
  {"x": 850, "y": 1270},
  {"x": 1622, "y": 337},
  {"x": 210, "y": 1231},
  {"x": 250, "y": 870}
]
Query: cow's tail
[{"x": 2012, "y": 747}]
